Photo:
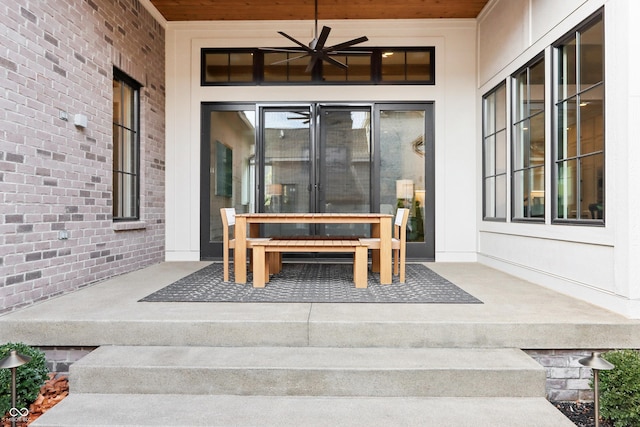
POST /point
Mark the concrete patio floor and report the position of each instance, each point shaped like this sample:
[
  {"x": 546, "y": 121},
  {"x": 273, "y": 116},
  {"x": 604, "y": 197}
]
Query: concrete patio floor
[{"x": 514, "y": 313}]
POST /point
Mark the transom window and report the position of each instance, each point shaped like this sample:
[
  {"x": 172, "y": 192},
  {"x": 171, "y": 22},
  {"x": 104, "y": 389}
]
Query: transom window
[{"x": 370, "y": 66}]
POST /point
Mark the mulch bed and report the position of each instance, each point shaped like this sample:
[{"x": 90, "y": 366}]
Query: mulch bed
[
  {"x": 52, "y": 392},
  {"x": 582, "y": 414}
]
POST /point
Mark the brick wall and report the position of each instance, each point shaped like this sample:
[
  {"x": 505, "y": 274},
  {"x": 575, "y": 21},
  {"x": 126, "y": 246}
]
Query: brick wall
[
  {"x": 57, "y": 59},
  {"x": 567, "y": 379},
  {"x": 59, "y": 359}
]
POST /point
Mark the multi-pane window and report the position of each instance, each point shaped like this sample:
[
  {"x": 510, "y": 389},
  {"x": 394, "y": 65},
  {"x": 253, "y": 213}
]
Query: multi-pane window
[
  {"x": 579, "y": 136},
  {"x": 228, "y": 67},
  {"x": 126, "y": 147},
  {"x": 494, "y": 151},
  {"x": 402, "y": 65},
  {"x": 528, "y": 142},
  {"x": 358, "y": 69},
  {"x": 280, "y": 67},
  {"x": 370, "y": 65}
]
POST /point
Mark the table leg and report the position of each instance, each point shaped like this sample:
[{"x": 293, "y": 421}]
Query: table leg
[
  {"x": 240, "y": 251},
  {"x": 275, "y": 262},
  {"x": 385, "y": 251}
]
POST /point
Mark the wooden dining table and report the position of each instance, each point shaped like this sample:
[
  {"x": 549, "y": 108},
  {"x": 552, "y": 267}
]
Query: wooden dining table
[{"x": 381, "y": 227}]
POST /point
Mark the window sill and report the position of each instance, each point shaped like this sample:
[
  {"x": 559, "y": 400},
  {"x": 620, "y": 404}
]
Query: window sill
[{"x": 129, "y": 225}]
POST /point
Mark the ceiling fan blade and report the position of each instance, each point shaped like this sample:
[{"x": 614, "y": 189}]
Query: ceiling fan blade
[
  {"x": 302, "y": 45},
  {"x": 284, "y": 61},
  {"x": 312, "y": 63},
  {"x": 335, "y": 62},
  {"x": 346, "y": 44},
  {"x": 324, "y": 35},
  {"x": 284, "y": 49}
]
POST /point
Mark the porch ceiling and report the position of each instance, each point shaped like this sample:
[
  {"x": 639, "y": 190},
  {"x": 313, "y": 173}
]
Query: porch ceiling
[{"x": 210, "y": 10}]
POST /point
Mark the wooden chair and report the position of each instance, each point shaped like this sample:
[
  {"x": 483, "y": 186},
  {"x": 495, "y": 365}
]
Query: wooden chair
[
  {"x": 228, "y": 220},
  {"x": 398, "y": 243}
]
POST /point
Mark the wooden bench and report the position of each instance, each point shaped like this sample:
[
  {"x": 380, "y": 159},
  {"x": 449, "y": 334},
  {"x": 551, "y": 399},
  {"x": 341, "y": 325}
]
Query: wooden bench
[{"x": 261, "y": 268}]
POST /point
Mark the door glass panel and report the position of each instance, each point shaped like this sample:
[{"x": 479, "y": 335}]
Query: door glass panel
[
  {"x": 231, "y": 148},
  {"x": 402, "y": 167},
  {"x": 344, "y": 166},
  {"x": 287, "y": 145}
]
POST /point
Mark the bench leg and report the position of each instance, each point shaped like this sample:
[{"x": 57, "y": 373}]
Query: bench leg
[
  {"x": 360, "y": 267},
  {"x": 275, "y": 262},
  {"x": 375, "y": 260},
  {"x": 260, "y": 267}
]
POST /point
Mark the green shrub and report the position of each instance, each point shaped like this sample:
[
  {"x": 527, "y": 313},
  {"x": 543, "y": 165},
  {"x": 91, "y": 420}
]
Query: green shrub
[
  {"x": 620, "y": 389},
  {"x": 29, "y": 377}
]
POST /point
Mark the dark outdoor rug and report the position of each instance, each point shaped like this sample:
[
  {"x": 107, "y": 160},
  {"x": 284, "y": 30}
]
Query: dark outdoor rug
[{"x": 314, "y": 282}]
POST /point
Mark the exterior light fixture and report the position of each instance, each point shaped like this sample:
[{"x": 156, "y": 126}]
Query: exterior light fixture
[
  {"x": 13, "y": 361},
  {"x": 596, "y": 363}
]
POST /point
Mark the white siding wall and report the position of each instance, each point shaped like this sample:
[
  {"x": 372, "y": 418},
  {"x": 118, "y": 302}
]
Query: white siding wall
[
  {"x": 599, "y": 264},
  {"x": 454, "y": 95}
]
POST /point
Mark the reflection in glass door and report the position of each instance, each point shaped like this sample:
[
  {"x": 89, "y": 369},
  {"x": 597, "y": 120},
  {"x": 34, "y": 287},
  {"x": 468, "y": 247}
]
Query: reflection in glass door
[
  {"x": 405, "y": 133},
  {"x": 227, "y": 170},
  {"x": 343, "y": 170},
  {"x": 316, "y": 159},
  {"x": 286, "y": 178}
]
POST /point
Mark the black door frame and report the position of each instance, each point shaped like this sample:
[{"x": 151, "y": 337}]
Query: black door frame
[{"x": 415, "y": 250}]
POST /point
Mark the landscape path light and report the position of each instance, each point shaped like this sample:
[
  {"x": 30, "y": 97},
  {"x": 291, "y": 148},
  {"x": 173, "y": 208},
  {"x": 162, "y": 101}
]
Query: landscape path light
[
  {"x": 13, "y": 361},
  {"x": 596, "y": 363}
]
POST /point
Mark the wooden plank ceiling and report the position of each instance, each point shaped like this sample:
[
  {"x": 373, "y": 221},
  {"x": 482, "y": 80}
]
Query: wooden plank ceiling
[{"x": 213, "y": 10}]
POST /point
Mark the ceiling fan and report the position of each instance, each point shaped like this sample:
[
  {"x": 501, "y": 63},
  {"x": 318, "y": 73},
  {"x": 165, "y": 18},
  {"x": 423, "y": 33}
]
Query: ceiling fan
[{"x": 316, "y": 50}]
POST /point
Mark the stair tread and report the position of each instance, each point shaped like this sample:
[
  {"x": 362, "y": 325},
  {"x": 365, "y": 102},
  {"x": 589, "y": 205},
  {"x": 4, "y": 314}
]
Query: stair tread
[
  {"x": 169, "y": 410},
  {"x": 307, "y": 358}
]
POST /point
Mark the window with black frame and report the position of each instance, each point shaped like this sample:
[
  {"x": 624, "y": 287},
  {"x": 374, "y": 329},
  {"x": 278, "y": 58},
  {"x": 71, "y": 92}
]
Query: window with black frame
[
  {"x": 579, "y": 137},
  {"x": 494, "y": 153},
  {"x": 528, "y": 142},
  {"x": 375, "y": 65},
  {"x": 126, "y": 147},
  {"x": 406, "y": 65}
]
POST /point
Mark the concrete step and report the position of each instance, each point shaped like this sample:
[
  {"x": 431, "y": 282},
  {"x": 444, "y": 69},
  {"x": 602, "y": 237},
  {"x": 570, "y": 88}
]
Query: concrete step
[
  {"x": 309, "y": 371},
  {"x": 324, "y": 325},
  {"x": 89, "y": 410}
]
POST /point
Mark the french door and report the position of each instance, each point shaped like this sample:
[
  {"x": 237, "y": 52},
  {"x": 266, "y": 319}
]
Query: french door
[
  {"x": 315, "y": 159},
  {"x": 318, "y": 158}
]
